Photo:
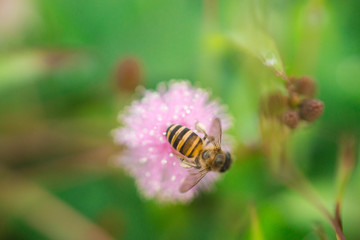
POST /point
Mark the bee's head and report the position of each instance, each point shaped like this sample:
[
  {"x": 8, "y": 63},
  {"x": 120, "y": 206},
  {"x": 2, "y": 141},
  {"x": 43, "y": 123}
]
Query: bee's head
[
  {"x": 227, "y": 162},
  {"x": 221, "y": 162}
]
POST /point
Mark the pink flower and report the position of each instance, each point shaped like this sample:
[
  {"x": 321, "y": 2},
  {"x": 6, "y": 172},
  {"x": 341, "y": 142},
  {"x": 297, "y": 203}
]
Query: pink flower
[{"x": 149, "y": 157}]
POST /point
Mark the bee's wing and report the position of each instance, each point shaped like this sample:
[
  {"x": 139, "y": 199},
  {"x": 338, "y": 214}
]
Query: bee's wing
[
  {"x": 192, "y": 179},
  {"x": 215, "y": 132}
]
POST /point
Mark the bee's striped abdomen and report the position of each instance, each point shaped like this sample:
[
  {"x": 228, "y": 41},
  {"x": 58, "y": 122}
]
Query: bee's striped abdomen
[{"x": 184, "y": 140}]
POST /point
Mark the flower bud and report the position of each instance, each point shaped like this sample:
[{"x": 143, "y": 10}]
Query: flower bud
[
  {"x": 293, "y": 100},
  {"x": 290, "y": 118},
  {"x": 311, "y": 109},
  {"x": 128, "y": 74},
  {"x": 304, "y": 85},
  {"x": 274, "y": 104}
]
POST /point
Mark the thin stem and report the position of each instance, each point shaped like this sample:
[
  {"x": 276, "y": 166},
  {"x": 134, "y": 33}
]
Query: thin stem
[
  {"x": 299, "y": 183},
  {"x": 282, "y": 75}
]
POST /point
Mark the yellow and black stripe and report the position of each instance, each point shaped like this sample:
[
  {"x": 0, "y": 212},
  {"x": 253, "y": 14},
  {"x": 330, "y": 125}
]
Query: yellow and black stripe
[{"x": 184, "y": 140}]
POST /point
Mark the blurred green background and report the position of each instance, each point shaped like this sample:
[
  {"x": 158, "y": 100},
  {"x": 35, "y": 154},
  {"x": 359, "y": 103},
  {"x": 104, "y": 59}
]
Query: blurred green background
[{"x": 63, "y": 83}]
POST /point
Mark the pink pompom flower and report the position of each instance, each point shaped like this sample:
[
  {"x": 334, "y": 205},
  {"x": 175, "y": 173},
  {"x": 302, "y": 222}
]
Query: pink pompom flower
[{"x": 148, "y": 156}]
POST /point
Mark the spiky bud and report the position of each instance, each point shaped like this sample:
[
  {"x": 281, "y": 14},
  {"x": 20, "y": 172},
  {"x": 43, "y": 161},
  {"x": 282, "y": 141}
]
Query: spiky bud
[
  {"x": 311, "y": 109},
  {"x": 304, "y": 85},
  {"x": 290, "y": 118},
  {"x": 274, "y": 104}
]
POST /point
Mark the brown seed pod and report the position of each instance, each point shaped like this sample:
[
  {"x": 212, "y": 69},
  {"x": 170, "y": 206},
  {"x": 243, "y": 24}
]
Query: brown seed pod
[
  {"x": 290, "y": 118},
  {"x": 311, "y": 109},
  {"x": 304, "y": 85}
]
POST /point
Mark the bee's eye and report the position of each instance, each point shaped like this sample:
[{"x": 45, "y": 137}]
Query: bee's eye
[
  {"x": 227, "y": 163},
  {"x": 219, "y": 160},
  {"x": 206, "y": 154}
]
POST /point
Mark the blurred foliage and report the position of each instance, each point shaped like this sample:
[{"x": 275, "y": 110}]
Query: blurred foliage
[{"x": 59, "y": 99}]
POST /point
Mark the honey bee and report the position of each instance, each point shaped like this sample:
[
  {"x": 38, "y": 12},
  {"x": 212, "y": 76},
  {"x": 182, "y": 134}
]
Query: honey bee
[{"x": 201, "y": 154}]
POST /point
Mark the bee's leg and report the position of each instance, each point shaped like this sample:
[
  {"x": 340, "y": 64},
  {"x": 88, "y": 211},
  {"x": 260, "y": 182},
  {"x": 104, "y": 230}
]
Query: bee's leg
[
  {"x": 197, "y": 162},
  {"x": 200, "y": 128},
  {"x": 187, "y": 164},
  {"x": 183, "y": 164}
]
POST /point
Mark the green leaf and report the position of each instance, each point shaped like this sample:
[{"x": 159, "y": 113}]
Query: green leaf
[{"x": 259, "y": 44}]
